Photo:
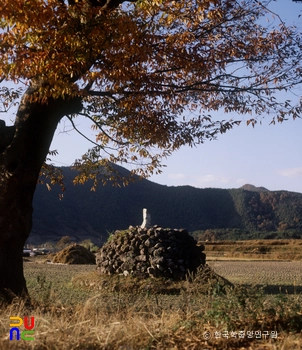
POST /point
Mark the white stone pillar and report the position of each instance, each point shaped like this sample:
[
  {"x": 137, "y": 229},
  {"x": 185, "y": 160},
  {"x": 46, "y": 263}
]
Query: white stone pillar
[{"x": 146, "y": 219}]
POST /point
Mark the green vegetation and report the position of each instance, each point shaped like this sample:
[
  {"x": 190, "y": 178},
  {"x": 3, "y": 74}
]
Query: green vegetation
[
  {"x": 269, "y": 211},
  {"x": 238, "y": 234},
  {"x": 89, "y": 245},
  {"x": 232, "y": 214}
]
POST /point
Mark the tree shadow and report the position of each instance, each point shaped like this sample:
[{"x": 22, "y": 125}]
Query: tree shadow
[{"x": 282, "y": 289}]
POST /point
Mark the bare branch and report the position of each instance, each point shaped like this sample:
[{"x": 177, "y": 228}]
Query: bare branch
[
  {"x": 78, "y": 131},
  {"x": 100, "y": 127}
]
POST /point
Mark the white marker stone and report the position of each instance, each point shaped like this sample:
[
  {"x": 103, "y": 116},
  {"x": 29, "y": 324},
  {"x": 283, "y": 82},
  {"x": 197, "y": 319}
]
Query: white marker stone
[{"x": 146, "y": 219}]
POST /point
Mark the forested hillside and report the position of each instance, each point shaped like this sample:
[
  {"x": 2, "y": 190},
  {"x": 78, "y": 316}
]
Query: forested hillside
[{"x": 86, "y": 214}]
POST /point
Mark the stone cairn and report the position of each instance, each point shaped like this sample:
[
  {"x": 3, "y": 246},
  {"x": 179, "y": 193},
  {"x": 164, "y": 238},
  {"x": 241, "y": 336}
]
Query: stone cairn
[{"x": 144, "y": 251}]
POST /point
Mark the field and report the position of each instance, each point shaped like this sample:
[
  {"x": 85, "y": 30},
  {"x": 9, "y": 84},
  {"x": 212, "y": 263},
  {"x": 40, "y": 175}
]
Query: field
[
  {"x": 281, "y": 249},
  {"x": 76, "y": 309}
]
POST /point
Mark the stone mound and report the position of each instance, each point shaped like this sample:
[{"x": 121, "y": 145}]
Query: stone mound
[
  {"x": 150, "y": 252},
  {"x": 74, "y": 254}
]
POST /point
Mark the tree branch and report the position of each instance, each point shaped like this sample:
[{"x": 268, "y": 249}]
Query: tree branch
[
  {"x": 103, "y": 131},
  {"x": 78, "y": 131}
]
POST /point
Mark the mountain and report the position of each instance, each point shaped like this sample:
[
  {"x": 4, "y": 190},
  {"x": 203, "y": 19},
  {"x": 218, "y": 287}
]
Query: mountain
[
  {"x": 253, "y": 188},
  {"x": 85, "y": 214}
]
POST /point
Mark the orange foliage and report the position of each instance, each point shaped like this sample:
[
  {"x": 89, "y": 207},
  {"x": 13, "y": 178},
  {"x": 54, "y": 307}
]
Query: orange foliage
[{"x": 150, "y": 73}]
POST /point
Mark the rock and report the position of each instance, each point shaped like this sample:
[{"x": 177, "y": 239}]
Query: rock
[
  {"x": 141, "y": 258},
  {"x": 156, "y": 252},
  {"x": 146, "y": 219}
]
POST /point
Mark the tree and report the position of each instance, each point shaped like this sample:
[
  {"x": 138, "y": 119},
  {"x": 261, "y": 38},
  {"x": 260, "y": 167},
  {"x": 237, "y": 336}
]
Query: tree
[
  {"x": 146, "y": 73},
  {"x": 63, "y": 242}
]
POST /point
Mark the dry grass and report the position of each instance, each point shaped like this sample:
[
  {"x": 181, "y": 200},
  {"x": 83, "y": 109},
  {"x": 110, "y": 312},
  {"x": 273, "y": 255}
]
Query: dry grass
[
  {"x": 255, "y": 249},
  {"x": 74, "y": 254},
  {"x": 76, "y": 309},
  {"x": 142, "y": 324},
  {"x": 89, "y": 328}
]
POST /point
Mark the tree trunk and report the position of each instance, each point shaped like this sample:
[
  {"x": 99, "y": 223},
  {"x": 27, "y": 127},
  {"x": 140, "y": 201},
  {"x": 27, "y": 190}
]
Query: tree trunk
[{"x": 23, "y": 149}]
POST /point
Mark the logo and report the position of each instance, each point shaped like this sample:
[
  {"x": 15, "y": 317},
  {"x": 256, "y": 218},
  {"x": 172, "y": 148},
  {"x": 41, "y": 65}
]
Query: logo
[{"x": 16, "y": 322}]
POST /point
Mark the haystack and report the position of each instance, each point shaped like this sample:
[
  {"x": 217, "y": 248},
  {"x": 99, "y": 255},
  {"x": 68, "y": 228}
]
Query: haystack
[{"x": 74, "y": 254}]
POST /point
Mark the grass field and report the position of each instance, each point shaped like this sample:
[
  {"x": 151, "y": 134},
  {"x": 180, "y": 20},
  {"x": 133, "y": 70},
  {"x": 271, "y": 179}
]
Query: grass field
[
  {"x": 76, "y": 309},
  {"x": 275, "y": 249}
]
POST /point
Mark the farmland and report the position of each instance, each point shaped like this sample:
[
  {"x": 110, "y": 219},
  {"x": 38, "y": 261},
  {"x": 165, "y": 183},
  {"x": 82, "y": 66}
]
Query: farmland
[{"x": 76, "y": 309}]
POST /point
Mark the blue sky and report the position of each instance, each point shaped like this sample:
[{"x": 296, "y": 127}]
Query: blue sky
[{"x": 267, "y": 155}]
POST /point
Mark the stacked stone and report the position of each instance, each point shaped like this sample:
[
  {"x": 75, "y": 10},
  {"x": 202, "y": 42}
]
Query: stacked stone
[{"x": 150, "y": 252}]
